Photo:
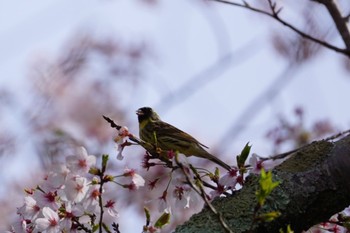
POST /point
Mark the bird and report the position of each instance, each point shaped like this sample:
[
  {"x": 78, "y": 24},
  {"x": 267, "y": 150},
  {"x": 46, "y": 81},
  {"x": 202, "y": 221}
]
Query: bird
[{"x": 169, "y": 138}]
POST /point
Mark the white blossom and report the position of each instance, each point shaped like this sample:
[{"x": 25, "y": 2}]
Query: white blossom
[
  {"x": 81, "y": 162},
  {"x": 50, "y": 222},
  {"x": 76, "y": 188}
]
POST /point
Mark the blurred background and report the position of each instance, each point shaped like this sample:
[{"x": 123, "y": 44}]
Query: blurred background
[{"x": 224, "y": 74}]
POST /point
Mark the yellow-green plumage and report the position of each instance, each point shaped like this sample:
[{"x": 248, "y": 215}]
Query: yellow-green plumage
[{"x": 167, "y": 137}]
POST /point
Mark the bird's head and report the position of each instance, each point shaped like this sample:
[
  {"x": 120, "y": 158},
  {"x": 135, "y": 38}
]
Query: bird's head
[{"x": 146, "y": 113}]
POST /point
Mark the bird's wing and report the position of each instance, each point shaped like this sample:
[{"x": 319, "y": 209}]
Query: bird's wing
[{"x": 173, "y": 133}]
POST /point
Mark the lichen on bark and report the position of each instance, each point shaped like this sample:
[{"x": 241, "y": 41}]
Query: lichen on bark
[{"x": 315, "y": 184}]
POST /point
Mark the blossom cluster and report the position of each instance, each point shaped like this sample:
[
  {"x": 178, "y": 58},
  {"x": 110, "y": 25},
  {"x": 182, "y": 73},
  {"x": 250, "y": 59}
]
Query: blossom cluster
[
  {"x": 72, "y": 196},
  {"x": 69, "y": 198}
]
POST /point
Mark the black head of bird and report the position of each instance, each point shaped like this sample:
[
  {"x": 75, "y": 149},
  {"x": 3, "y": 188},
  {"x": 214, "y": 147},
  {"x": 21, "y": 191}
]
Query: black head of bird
[{"x": 146, "y": 113}]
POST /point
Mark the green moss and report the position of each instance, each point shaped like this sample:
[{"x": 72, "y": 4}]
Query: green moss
[{"x": 307, "y": 158}]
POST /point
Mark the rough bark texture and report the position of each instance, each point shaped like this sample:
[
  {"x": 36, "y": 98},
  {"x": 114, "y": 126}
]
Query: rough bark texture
[{"x": 315, "y": 184}]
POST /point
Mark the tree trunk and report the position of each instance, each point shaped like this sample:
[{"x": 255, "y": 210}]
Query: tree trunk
[{"x": 315, "y": 184}]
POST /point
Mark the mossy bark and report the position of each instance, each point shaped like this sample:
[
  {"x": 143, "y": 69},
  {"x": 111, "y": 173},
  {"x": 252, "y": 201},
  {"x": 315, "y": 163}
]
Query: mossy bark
[{"x": 315, "y": 184}]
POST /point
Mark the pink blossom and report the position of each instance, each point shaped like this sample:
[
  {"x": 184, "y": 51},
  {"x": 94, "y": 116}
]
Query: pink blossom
[
  {"x": 81, "y": 162},
  {"x": 257, "y": 164},
  {"x": 47, "y": 199},
  {"x": 152, "y": 184},
  {"x": 229, "y": 179},
  {"x": 123, "y": 132},
  {"x": 136, "y": 179},
  {"x": 111, "y": 208},
  {"x": 120, "y": 141},
  {"x": 91, "y": 198},
  {"x": 163, "y": 204},
  {"x": 217, "y": 192},
  {"x": 56, "y": 178},
  {"x": 68, "y": 214},
  {"x": 50, "y": 222},
  {"x": 76, "y": 188},
  {"x": 30, "y": 209},
  {"x": 184, "y": 196}
]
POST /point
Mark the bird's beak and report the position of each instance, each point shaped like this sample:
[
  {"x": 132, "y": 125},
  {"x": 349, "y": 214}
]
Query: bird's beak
[{"x": 139, "y": 112}]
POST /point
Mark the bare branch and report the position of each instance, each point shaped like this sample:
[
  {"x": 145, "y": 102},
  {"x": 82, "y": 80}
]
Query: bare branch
[
  {"x": 286, "y": 154},
  {"x": 274, "y": 14},
  {"x": 205, "y": 76},
  {"x": 339, "y": 20},
  {"x": 347, "y": 18},
  {"x": 253, "y": 108}
]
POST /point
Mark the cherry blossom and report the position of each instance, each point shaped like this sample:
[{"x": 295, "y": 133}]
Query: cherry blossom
[
  {"x": 220, "y": 189},
  {"x": 50, "y": 222},
  {"x": 184, "y": 196},
  {"x": 120, "y": 141},
  {"x": 229, "y": 179},
  {"x": 30, "y": 209},
  {"x": 123, "y": 132},
  {"x": 91, "y": 199},
  {"x": 111, "y": 208},
  {"x": 47, "y": 199},
  {"x": 136, "y": 179},
  {"x": 76, "y": 188},
  {"x": 57, "y": 177},
  {"x": 81, "y": 162},
  {"x": 70, "y": 211},
  {"x": 257, "y": 164},
  {"x": 163, "y": 204}
]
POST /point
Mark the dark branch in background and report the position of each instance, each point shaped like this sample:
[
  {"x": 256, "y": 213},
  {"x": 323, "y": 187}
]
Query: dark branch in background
[
  {"x": 253, "y": 109},
  {"x": 286, "y": 154},
  {"x": 340, "y": 21},
  {"x": 223, "y": 43},
  {"x": 218, "y": 27},
  {"x": 209, "y": 74},
  {"x": 275, "y": 15}
]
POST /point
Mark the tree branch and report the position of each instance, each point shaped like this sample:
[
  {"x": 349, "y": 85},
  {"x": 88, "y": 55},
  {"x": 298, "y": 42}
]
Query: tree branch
[
  {"x": 275, "y": 15},
  {"x": 340, "y": 21},
  {"x": 315, "y": 184},
  {"x": 209, "y": 74},
  {"x": 255, "y": 106}
]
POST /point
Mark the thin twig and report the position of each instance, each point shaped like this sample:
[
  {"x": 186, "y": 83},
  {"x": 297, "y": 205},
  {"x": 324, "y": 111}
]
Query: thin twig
[
  {"x": 202, "y": 193},
  {"x": 254, "y": 107},
  {"x": 209, "y": 74},
  {"x": 286, "y": 154},
  {"x": 111, "y": 122},
  {"x": 274, "y": 14},
  {"x": 100, "y": 202},
  {"x": 338, "y": 135},
  {"x": 340, "y": 21}
]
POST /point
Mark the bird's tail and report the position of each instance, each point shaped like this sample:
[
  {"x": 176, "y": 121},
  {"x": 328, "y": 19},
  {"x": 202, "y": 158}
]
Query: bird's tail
[{"x": 215, "y": 159}]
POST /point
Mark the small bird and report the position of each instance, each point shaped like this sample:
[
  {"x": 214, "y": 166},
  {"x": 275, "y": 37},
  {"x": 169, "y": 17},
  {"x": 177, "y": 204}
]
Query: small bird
[{"x": 167, "y": 137}]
